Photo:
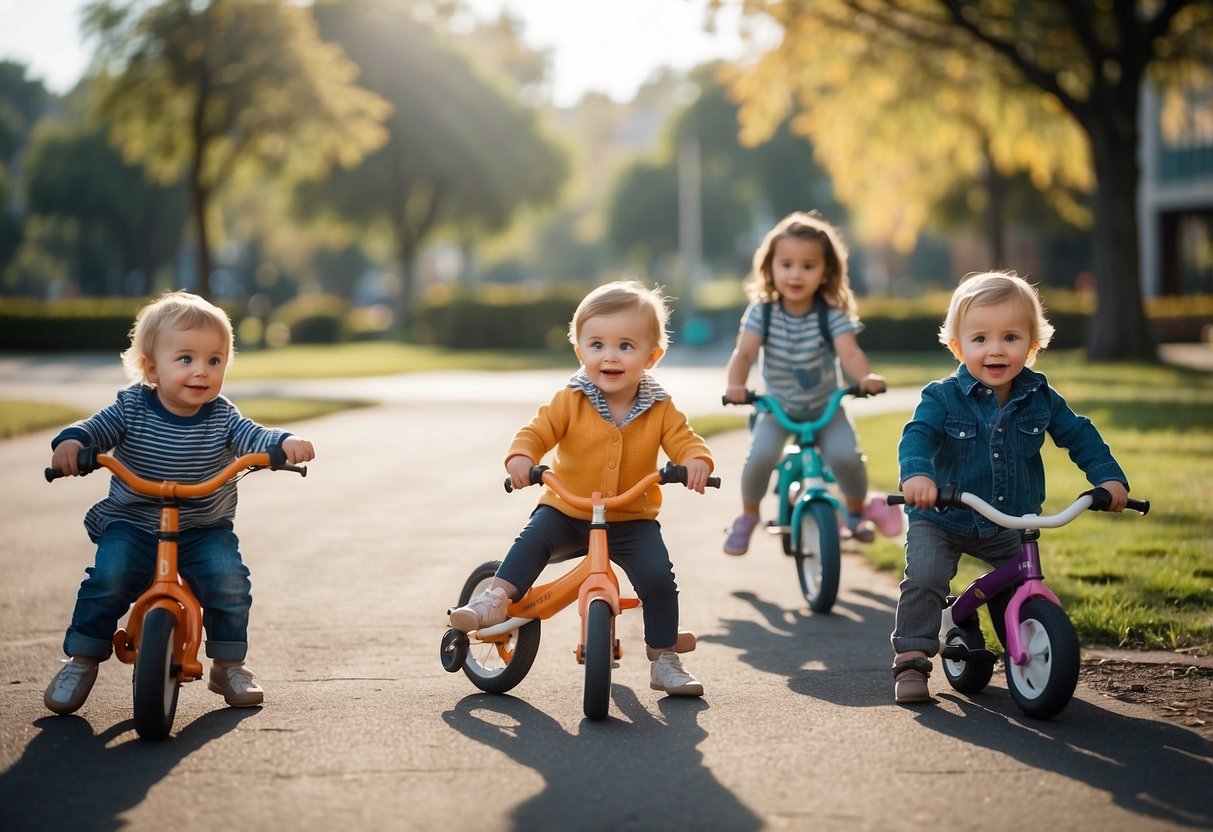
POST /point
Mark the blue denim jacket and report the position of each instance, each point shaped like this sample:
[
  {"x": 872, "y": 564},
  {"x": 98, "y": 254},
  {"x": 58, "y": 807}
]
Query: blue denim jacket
[{"x": 960, "y": 435}]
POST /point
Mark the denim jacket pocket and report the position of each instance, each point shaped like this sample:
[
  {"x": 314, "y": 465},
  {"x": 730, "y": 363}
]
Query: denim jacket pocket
[
  {"x": 961, "y": 443},
  {"x": 1031, "y": 434}
]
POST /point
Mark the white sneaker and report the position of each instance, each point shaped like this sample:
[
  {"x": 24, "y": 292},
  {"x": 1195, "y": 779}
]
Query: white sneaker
[
  {"x": 485, "y": 610},
  {"x": 70, "y": 687},
  {"x": 235, "y": 683},
  {"x": 667, "y": 674}
]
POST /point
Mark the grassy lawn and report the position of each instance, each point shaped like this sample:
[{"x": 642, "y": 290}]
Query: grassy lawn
[
  {"x": 378, "y": 358},
  {"x": 1124, "y": 579}
]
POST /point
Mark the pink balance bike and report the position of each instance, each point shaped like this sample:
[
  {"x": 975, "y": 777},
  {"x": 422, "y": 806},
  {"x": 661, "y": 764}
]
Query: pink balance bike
[{"x": 1042, "y": 651}]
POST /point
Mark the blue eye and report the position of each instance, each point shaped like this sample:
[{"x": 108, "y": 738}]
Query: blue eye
[
  {"x": 626, "y": 347},
  {"x": 185, "y": 359},
  {"x": 215, "y": 362}
]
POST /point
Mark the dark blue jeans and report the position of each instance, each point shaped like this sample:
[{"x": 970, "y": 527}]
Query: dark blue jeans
[
  {"x": 209, "y": 561},
  {"x": 636, "y": 545}
]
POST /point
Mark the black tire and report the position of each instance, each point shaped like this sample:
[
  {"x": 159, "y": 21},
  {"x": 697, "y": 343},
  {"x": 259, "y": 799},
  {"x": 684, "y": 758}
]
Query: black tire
[
  {"x": 599, "y": 652},
  {"x": 819, "y": 559},
  {"x": 1044, "y": 686},
  {"x": 155, "y": 680},
  {"x": 491, "y": 666},
  {"x": 967, "y": 676},
  {"x": 454, "y": 650}
]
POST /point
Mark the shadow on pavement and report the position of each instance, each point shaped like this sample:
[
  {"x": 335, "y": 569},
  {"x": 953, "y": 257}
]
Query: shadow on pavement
[
  {"x": 72, "y": 778},
  {"x": 1148, "y": 767},
  {"x": 615, "y": 774},
  {"x": 824, "y": 656},
  {"x": 1151, "y": 768}
]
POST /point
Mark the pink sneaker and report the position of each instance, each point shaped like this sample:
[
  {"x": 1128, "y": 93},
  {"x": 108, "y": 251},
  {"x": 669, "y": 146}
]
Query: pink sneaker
[{"x": 890, "y": 520}]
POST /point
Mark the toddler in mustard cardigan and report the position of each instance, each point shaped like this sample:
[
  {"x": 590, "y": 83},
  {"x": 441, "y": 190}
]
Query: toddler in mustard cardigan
[{"x": 606, "y": 427}]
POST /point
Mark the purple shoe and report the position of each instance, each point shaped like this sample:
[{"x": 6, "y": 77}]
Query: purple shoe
[{"x": 738, "y": 541}]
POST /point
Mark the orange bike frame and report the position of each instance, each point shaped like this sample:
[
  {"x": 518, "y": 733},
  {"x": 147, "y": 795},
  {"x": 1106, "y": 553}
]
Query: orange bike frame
[
  {"x": 168, "y": 591},
  {"x": 593, "y": 577}
]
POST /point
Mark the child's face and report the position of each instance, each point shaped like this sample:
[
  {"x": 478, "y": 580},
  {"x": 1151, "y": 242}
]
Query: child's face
[
  {"x": 994, "y": 342},
  {"x": 616, "y": 349},
  {"x": 798, "y": 269},
  {"x": 187, "y": 366}
]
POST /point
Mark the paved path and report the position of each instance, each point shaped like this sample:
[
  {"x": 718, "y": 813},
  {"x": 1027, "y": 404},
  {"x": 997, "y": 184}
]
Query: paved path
[{"x": 362, "y": 730}]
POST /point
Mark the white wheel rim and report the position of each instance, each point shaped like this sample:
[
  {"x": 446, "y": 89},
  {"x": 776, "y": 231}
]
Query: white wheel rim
[
  {"x": 1031, "y": 678},
  {"x": 810, "y": 565}
]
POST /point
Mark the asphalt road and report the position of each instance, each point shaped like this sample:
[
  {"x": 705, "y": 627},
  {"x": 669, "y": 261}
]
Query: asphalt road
[{"x": 353, "y": 568}]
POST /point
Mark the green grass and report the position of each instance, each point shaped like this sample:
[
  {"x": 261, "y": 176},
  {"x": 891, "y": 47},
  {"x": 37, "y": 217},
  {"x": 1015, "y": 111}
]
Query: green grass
[
  {"x": 378, "y": 358},
  {"x": 18, "y": 417}
]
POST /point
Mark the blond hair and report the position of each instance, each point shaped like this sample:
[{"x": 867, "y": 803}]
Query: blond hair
[
  {"x": 989, "y": 289},
  {"x": 172, "y": 310},
  {"x": 812, "y": 226},
  {"x": 621, "y": 295}
]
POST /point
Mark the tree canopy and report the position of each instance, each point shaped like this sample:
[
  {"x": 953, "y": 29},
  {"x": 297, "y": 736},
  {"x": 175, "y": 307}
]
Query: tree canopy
[
  {"x": 206, "y": 91},
  {"x": 900, "y": 95},
  {"x": 461, "y": 152}
]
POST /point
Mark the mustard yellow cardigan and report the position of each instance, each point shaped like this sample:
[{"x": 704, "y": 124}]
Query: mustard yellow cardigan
[{"x": 593, "y": 454}]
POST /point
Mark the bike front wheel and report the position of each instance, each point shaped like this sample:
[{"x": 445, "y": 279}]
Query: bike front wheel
[
  {"x": 599, "y": 654},
  {"x": 1045, "y": 684},
  {"x": 498, "y": 664},
  {"x": 818, "y": 556},
  {"x": 155, "y": 680}
]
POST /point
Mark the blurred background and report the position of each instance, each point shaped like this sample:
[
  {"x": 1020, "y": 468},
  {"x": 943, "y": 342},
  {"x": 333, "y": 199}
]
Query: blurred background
[{"x": 459, "y": 173}]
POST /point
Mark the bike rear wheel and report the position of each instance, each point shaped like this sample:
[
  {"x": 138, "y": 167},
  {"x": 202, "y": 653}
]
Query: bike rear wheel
[
  {"x": 1045, "y": 684},
  {"x": 599, "y": 653},
  {"x": 499, "y": 664},
  {"x": 818, "y": 556},
  {"x": 967, "y": 676},
  {"x": 155, "y": 680}
]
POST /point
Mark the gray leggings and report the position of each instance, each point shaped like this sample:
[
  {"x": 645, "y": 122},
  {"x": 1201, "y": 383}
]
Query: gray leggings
[{"x": 836, "y": 441}]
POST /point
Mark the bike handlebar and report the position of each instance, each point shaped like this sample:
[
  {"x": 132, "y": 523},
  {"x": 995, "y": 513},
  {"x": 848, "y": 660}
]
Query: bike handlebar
[
  {"x": 752, "y": 396},
  {"x": 89, "y": 459},
  {"x": 1096, "y": 499},
  {"x": 671, "y": 473}
]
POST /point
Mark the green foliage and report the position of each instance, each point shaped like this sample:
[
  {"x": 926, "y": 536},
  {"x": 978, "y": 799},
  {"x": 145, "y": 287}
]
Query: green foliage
[
  {"x": 502, "y": 319},
  {"x": 67, "y": 326},
  {"x": 314, "y": 319}
]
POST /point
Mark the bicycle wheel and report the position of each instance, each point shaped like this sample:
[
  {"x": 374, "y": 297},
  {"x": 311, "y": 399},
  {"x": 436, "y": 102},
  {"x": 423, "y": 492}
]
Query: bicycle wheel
[
  {"x": 818, "y": 559},
  {"x": 155, "y": 679},
  {"x": 498, "y": 665},
  {"x": 1043, "y": 686},
  {"x": 967, "y": 676},
  {"x": 599, "y": 653}
]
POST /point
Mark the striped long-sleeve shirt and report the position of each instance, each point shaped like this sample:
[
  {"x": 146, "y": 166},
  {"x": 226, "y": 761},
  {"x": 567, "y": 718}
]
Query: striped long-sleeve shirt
[{"x": 159, "y": 445}]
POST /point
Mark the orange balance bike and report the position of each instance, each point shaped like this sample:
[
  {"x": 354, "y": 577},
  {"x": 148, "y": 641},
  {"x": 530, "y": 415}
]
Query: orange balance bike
[
  {"x": 164, "y": 629},
  {"x": 497, "y": 658}
]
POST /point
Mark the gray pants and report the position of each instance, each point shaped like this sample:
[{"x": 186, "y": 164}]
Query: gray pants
[
  {"x": 836, "y": 441},
  {"x": 932, "y": 555}
]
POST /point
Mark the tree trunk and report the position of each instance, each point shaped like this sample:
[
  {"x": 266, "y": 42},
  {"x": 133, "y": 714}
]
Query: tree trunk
[
  {"x": 1120, "y": 330},
  {"x": 198, "y": 204},
  {"x": 995, "y": 215}
]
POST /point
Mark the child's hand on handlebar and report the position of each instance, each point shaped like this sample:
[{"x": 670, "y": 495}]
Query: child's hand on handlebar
[
  {"x": 65, "y": 457},
  {"x": 697, "y": 474},
  {"x": 519, "y": 468},
  {"x": 735, "y": 393},
  {"x": 1120, "y": 496},
  {"x": 920, "y": 492},
  {"x": 873, "y": 383},
  {"x": 297, "y": 450}
]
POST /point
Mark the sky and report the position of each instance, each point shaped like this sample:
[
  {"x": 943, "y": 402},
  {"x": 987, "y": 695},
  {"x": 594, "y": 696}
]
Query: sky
[{"x": 607, "y": 46}]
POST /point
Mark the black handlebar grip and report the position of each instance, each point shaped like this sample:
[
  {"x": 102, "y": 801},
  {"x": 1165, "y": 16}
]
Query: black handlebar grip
[
  {"x": 1139, "y": 505},
  {"x": 895, "y": 499},
  {"x": 86, "y": 462}
]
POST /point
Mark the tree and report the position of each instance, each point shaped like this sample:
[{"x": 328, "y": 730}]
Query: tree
[
  {"x": 21, "y": 103},
  {"x": 1088, "y": 60},
  {"x": 461, "y": 153},
  {"x": 125, "y": 227},
  {"x": 211, "y": 90}
]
